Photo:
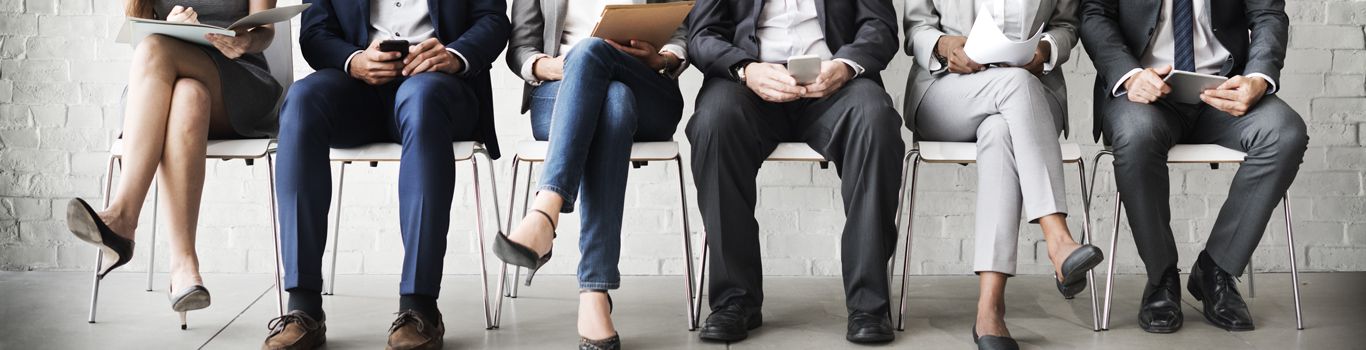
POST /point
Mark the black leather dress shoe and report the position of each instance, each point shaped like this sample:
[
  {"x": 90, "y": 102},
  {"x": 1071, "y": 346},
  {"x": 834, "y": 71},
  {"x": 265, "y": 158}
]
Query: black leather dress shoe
[
  {"x": 731, "y": 323},
  {"x": 1161, "y": 310},
  {"x": 866, "y": 327},
  {"x": 1216, "y": 288}
]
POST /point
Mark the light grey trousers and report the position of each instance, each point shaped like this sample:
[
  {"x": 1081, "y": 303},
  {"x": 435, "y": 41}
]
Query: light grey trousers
[{"x": 1015, "y": 122}]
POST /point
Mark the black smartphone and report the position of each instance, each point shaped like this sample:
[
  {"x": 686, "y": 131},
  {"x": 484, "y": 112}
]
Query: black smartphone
[{"x": 399, "y": 46}]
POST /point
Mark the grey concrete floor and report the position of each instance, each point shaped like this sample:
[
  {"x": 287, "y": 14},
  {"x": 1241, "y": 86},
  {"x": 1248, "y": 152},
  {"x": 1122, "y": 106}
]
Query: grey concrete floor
[{"x": 47, "y": 310}]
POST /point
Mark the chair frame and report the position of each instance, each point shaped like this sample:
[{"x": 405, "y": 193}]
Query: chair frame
[
  {"x": 473, "y": 159},
  {"x": 915, "y": 158},
  {"x": 1214, "y": 164},
  {"x": 636, "y": 162}
]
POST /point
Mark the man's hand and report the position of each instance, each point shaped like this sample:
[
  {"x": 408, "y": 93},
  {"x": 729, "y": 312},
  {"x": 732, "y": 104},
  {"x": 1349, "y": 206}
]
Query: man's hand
[
  {"x": 548, "y": 68},
  {"x": 375, "y": 67},
  {"x": 833, "y": 76},
  {"x": 1147, "y": 85},
  {"x": 1041, "y": 56},
  {"x": 647, "y": 53},
  {"x": 772, "y": 82},
  {"x": 951, "y": 48},
  {"x": 1237, "y": 95},
  {"x": 181, "y": 14},
  {"x": 430, "y": 56},
  {"x": 231, "y": 46}
]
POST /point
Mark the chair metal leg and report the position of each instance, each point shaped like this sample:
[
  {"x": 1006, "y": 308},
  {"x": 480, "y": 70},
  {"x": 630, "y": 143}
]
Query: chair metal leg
[
  {"x": 336, "y": 228},
  {"x": 1110, "y": 269},
  {"x": 526, "y": 203},
  {"x": 1086, "y": 239},
  {"x": 275, "y": 231},
  {"x": 1251, "y": 279},
  {"x": 900, "y": 202},
  {"x": 701, "y": 278},
  {"x": 687, "y": 247},
  {"x": 906, "y": 259},
  {"x": 503, "y": 269},
  {"x": 99, "y": 254},
  {"x": 152, "y": 246},
  {"x": 479, "y": 236},
  {"x": 1294, "y": 269}
]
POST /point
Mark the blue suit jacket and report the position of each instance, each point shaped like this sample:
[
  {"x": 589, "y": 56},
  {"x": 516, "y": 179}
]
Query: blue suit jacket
[{"x": 478, "y": 29}]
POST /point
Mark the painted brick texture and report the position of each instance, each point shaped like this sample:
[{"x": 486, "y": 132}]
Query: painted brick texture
[{"x": 61, "y": 79}]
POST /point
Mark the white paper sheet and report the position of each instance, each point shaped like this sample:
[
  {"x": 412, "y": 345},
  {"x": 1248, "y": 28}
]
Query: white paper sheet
[
  {"x": 137, "y": 28},
  {"x": 988, "y": 45}
]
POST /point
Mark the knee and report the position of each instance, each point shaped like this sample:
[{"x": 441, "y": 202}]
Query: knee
[
  {"x": 871, "y": 112},
  {"x": 194, "y": 102},
  {"x": 591, "y": 46},
  {"x": 619, "y": 107},
  {"x": 153, "y": 52},
  {"x": 1283, "y": 133},
  {"x": 716, "y": 123},
  {"x": 426, "y": 88},
  {"x": 1138, "y": 130},
  {"x": 306, "y": 105}
]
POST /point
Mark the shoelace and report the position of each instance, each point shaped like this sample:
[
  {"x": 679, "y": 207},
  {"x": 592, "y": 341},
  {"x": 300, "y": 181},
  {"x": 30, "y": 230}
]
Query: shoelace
[
  {"x": 406, "y": 316},
  {"x": 277, "y": 325}
]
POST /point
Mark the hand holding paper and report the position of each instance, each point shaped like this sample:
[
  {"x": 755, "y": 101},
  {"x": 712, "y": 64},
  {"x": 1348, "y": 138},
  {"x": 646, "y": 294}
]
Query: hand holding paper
[{"x": 988, "y": 45}]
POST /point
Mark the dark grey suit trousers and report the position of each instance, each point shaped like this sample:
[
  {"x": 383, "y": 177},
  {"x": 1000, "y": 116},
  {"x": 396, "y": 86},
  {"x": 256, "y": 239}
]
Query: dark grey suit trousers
[
  {"x": 1273, "y": 136},
  {"x": 733, "y": 131}
]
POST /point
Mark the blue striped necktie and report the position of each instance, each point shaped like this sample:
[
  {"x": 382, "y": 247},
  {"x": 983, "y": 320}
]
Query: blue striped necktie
[{"x": 1183, "y": 19}]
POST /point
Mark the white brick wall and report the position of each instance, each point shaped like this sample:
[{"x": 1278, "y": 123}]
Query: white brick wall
[{"x": 61, "y": 77}]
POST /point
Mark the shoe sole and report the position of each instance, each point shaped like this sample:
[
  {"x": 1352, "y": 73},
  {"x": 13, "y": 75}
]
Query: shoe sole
[
  {"x": 195, "y": 300},
  {"x": 1161, "y": 330},
  {"x": 81, "y": 222},
  {"x": 871, "y": 339}
]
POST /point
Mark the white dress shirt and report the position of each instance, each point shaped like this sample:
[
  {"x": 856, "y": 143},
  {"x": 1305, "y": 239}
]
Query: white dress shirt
[
  {"x": 790, "y": 28},
  {"x": 1210, "y": 54},
  {"x": 580, "y": 18},
  {"x": 401, "y": 20}
]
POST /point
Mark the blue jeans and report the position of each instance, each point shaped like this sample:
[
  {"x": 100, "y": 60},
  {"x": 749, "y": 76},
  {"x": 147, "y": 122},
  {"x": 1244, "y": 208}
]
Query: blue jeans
[
  {"x": 424, "y": 113},
  {"x": 606, "y": 101}
]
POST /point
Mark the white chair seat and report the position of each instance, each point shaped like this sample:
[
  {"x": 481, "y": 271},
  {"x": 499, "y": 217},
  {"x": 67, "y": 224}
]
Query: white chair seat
[
  {"x": 966, "y": 152},
  {"x": 534, "y": 151},
  {"x": 795, "y": 152},
  {"x": 1207, "y": 153},
  {"x": 391, "y": 152},
  {"x": 220, "y": 149}
]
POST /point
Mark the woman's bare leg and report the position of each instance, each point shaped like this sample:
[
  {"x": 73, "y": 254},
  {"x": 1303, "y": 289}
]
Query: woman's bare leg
[
  {"x": 532, "y": 230},
  {"x": 181, "y": 175},
  {"x": 1059, "y": 239},
  {"x": 158, "y": 123},
  {"x": 991, "y": 304}
]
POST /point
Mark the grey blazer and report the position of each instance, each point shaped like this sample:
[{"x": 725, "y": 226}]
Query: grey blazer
[
  {"x": 538, "y": 28},
  {"x": 927, "y": 20}
]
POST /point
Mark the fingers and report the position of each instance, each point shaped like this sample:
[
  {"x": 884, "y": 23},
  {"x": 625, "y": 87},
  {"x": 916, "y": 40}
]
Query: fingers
[
  {"x": 1234, "y": 108},
  {"x": 644, "y": 45},
  {"x": 1233, "y": 83},
  {"x": 416, "y": 60},
  {"x": 1163, "y": 70},
  {"x": 628, "y": 49},
  {"x": 421, "y": 50}
]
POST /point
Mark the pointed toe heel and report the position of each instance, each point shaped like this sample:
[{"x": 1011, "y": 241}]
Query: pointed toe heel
[
  {"x": 85, "y": 223},
  {"x": 189, "y": 299},
  {"x": 520, "y": 255}
]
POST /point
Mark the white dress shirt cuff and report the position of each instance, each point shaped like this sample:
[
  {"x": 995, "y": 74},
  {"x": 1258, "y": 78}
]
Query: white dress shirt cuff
[
  {"x": 347, "y": 66},
  {"x": 1119, "y": 90},
  {"x": 464, "y": 63},
  {"x": 1269, "y": 81},
  {"x": 936, "y": 66},
  {"x": 676, "y": 50},
  {"x": 528, "y": 72},
  {"x": 858, "y": 70},
  {"x": 1052, "y": 54}
]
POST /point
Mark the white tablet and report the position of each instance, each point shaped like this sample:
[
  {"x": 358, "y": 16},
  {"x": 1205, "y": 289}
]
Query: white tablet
[
  {"x": 1187, "y": 86},
  {"x": 805, "y": 69}
]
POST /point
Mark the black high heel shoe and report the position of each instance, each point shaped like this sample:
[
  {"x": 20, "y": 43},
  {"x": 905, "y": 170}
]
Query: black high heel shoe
[
  {"x": 520, "y": 255},
  {"x": 85, "y": 223},
  {"x": 611, "y": 343}
]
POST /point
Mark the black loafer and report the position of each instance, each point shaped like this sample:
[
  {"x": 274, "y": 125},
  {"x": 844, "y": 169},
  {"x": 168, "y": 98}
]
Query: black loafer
[
  {"x": 992, "y": 342},
  {"x": 1161, "y": 309},
  {"x": 1217, "y": 290},
  {"x": 731, "y": 323},
  {"x": 867, "y": 328},
  {"x": 1074, "y": 269}
]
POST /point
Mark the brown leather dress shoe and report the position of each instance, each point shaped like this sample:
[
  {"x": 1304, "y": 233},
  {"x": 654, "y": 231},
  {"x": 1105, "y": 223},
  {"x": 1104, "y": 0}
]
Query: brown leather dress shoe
[
  {"x": 295, "y": 331},
  {"x": 411, "y": 332}
]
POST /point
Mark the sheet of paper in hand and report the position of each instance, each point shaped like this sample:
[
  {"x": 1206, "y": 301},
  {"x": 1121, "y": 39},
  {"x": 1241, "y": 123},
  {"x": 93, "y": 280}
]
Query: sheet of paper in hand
[
  {"x": 137, "y": 28},
  {"x": 988, "y": 45}
]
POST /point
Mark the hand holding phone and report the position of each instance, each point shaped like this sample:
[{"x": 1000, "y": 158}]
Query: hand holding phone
[
  {"x": 805, "y": 69},
  {"x": 399, "y": 46}
]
